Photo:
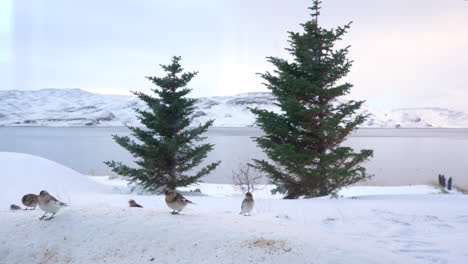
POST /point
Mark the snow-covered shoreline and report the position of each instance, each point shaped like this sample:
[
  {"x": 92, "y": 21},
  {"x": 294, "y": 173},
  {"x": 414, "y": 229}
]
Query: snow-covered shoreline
[
  {"x": 406, "y": 224},
  {"x": 76, "y": 107}
]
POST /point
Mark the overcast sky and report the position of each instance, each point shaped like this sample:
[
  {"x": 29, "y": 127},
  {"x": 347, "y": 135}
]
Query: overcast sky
[{"x": 406, "y": 53}]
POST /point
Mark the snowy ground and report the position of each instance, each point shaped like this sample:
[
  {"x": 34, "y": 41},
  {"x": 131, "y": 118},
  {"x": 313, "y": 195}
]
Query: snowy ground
[{"x": 409, "y": 224}]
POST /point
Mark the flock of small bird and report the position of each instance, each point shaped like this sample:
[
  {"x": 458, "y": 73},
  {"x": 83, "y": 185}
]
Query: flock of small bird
[
  {"x": 48, "y": 203},
  {"x": 174, "y": 200}
]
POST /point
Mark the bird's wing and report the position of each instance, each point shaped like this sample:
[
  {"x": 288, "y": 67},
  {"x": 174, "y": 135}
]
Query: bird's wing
[
  {"x": 29, "y": 198},
  {"x": 54, "y": 200},
  {"x": 181, "y": 198}
]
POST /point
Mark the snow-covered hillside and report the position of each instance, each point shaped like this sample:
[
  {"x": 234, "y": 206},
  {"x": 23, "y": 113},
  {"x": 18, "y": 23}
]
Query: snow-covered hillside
[
  {"x": 409, "y": 224},
  {"x": 29, "y": 174},
  {"x": 76, "y": 107}
]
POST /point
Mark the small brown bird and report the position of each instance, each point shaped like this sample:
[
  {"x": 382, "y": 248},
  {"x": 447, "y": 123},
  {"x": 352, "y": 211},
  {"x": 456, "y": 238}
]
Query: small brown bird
[
  {"x": 30, "y": 200},
  {"x": 175, "y": 201},
  {"x": 49, "y": 204},
  {"x": 14, "y": 207},
  {"x": 247, "y": 204},
  {"x": 132, "y": 203}
]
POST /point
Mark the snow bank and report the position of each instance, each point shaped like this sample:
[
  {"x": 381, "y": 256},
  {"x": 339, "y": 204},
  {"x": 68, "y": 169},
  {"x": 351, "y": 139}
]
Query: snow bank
[
  {"x": 24, "y": 173},
  {"x": 374, "y": 225},
  {"x": 130, "y": 235},
  {"x": 121, "y": 185},
  {"x": 263, "y": 191},
  {"x": 354, "y": 191}
]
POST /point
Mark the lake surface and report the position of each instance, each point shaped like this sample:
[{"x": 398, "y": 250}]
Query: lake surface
[{"x": 401, "y": 156}]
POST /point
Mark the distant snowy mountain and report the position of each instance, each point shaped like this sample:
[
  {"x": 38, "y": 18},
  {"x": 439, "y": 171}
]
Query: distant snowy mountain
[{"x": 76, "y": 107}]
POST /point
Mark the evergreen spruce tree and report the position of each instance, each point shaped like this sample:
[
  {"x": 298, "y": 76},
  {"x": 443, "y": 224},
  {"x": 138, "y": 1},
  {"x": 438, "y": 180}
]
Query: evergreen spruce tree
[
  {"x": 304, "y": 141},
  {"x": 165, "y": 150}
]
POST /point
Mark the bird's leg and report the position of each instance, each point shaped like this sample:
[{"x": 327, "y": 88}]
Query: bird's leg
[
  {"x": 42, "y": 217},
  {"x": 34, "y": 208},
  {"x": 173, "y": 212},
  {"x": 52, "y": 216}
]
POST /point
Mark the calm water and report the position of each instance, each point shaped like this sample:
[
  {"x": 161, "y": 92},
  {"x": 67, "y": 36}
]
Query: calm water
[{"x": 401, "y": 156}]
